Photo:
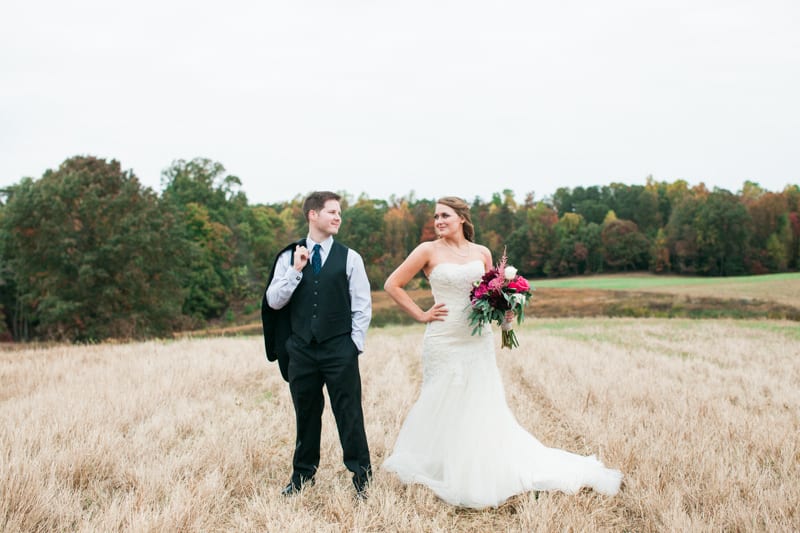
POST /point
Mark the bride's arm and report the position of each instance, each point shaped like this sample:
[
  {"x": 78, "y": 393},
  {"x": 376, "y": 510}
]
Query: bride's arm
[{"x": 395, "y": 283}]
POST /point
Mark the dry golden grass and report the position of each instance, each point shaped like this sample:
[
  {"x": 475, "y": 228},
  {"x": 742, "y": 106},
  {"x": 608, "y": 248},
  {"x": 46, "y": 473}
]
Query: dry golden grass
[{"x": 196, "y": 435}]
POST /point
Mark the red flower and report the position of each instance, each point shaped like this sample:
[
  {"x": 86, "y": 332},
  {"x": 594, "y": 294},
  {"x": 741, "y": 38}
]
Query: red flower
[
  {"x": 480, "y": 291},
  {"x": 519, "y": 284}
]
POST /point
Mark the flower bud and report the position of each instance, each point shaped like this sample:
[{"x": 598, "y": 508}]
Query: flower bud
[{"x": 510, "y": 273}]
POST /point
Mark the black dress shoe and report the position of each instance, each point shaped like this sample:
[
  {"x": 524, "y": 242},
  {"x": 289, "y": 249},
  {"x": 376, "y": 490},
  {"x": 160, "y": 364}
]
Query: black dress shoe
[
  {"x": 295, "y": 486},
  {"x": 361, "y": 484}
]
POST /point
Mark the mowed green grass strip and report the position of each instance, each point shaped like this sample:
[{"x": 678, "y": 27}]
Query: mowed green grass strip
[
  {"x": 629, "y": 282},
  {"x": 782, "y": 289}
]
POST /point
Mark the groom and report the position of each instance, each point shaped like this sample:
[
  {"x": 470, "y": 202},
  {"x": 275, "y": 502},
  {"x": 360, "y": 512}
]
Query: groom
[{"x": 325, "y": 286}]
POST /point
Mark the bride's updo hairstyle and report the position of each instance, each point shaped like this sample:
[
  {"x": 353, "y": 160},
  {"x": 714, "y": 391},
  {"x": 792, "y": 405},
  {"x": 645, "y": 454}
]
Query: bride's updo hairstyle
[{"x": 462, "y": 209}]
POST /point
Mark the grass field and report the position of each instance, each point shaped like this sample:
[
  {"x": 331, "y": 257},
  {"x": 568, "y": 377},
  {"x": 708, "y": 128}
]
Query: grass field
[
  {"x": 781, "y": 288},
  {"x": 641, "y": 295},
  {"x": 644, "y": 295},
  {"x": 702, "y": 417}
]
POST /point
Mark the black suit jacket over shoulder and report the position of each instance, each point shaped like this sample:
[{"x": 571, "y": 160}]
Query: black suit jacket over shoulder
[{"x": 277, "y": 322}]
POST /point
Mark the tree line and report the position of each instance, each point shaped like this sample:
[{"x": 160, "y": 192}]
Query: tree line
[{"x": 89, "y": 253}]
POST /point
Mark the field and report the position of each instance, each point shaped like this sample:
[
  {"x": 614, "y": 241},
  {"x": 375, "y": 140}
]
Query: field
[
  {"x": 196, "y": 434},
  {"x": 638, "y": 295},
  {"x": 779, "y": 288}
]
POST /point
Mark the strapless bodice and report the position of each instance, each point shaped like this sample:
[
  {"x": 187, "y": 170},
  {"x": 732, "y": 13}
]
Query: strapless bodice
[
  {"x": 449, "y": 348},
  {"x": 451, "y": 284}
]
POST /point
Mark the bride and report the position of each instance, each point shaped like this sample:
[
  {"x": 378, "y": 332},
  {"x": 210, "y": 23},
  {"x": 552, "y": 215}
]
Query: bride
[{"x": 460, "y": 438}]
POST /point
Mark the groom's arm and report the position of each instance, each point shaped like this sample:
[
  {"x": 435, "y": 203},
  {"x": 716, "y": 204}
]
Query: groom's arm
[
  {"x": 360, "y": 298},
  {"x": 284, "y": 281}
]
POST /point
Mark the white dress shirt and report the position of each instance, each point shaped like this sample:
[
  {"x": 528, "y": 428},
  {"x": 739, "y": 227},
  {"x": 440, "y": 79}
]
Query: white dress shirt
[{"x": 286, "y": 280}]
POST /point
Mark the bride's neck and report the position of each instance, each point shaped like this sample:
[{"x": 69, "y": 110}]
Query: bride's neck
[
  {"x": 458, "y": 248},
  {"x": 458, "y": 243}
]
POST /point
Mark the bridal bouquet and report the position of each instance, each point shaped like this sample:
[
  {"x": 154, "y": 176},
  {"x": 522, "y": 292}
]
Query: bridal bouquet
[{"x": 499, "y": 291}]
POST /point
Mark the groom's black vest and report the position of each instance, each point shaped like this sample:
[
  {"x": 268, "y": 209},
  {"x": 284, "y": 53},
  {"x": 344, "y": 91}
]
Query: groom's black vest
[{"x": 320, "y": 306}]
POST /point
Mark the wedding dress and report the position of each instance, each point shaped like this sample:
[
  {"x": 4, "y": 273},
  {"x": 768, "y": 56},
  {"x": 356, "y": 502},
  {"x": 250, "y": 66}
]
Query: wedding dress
[{"x": 460, "y": 438}]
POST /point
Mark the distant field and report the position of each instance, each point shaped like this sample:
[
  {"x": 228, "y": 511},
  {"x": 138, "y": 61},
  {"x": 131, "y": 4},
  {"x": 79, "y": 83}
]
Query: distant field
[
  {"x": 775, "y": 296},
  {"x": 781, "y": 288},
  {"x": 644, "y": 295},
  {"x": 702, "y": 418}
]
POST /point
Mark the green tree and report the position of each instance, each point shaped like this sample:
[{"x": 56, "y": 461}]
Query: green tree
[
  {"x": 93, "y": 254},
  {"x": 362, "y": 229},
  {"x": 645, "y": 211},
  {"x": 589, "y": 202},
  {"x": 722, "y": 224},
  {"x": 6, "y": 287},
  {"x": 265, "y": 232},
  {"x": 590, "y": 245},
  {"x": 569, "y": 254},
  {"x": 214, "y": 214},
  {"x": 681, "y": 235},
  {"x": 209, "y": 283},
  {"x": 776, "y": 251},
  {"x": 204, "y": 182},
  {"x": 794, "y": 249}
]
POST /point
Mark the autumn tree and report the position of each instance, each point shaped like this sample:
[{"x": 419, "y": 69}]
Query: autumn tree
[
  {"x": 625, "y": 247},
  {"x": 531, "y": 245},
  {"x": 400, "y": 234},
  {"x": 771, "y": 236}
]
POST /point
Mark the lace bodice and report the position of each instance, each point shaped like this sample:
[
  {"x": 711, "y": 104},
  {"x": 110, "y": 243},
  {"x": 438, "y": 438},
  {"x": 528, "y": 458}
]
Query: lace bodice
[
  {"x": 449, "y": 345},
  {"x": 451, "y": 284}
]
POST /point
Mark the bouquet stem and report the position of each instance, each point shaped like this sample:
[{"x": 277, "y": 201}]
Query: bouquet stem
[{"x": 509, "y": 338}]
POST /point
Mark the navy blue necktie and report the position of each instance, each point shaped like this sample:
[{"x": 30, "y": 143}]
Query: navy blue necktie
[{"x": 316, "y": 259}]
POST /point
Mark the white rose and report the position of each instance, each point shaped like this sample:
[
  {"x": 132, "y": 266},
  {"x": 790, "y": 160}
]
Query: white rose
[{"x": 510, "y": 273}]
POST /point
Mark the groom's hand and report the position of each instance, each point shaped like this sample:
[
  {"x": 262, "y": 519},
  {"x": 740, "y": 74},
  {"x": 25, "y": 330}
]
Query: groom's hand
[{"x": 300, "y": 258}]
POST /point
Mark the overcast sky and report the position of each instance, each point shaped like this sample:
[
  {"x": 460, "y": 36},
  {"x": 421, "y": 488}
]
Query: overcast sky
[{"x": 460, "y": 97}]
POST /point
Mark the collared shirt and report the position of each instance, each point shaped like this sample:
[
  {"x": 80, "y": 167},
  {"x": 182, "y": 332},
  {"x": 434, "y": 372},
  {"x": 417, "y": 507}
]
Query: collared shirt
[{"x": 286, "y": 280}]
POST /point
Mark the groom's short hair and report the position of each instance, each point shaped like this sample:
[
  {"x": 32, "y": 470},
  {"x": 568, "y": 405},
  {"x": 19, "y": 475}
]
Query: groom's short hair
[{"x": 316, "y": 201}]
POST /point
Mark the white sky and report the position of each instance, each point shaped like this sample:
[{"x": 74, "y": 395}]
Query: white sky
[{"x": 458, "y": 97}]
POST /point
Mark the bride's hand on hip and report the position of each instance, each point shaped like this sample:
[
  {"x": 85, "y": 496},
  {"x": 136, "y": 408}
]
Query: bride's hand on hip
[{"x": 437, "y": 312}]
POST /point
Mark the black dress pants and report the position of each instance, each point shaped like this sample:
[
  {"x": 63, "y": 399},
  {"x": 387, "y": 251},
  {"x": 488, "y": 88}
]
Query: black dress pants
[{"x": 334, "y": 364}]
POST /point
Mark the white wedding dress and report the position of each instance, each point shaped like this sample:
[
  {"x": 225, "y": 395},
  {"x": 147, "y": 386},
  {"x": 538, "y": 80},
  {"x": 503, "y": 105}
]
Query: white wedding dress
[{"x": 460, "y": 438}]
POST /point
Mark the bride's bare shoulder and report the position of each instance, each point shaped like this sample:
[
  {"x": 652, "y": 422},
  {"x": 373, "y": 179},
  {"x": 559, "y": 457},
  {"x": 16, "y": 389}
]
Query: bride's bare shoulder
[
  {"x": 433, "y": 255},
  {"x": 422, "y": 256},
  {"x": 483, "y": 250},
  {"x": 486, "y": 255},
  {"x": 425, "y": 250}
]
